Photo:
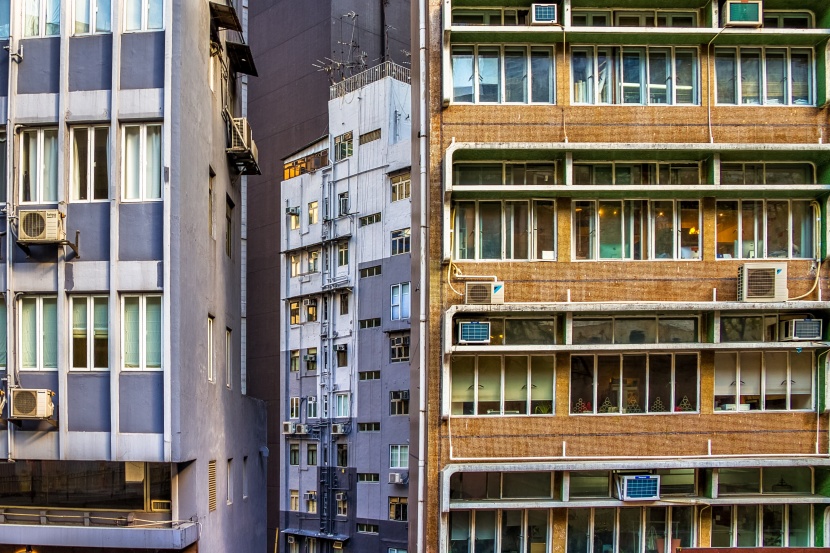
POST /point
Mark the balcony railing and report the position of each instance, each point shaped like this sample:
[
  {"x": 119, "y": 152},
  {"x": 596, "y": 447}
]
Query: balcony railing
[{"x": 376, "y": 73}]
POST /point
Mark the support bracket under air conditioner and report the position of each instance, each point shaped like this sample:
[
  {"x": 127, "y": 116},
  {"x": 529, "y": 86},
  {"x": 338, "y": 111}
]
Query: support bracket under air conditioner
[
  {"x": 23, "y": 245},
  {"x": 75, "y": 246}
]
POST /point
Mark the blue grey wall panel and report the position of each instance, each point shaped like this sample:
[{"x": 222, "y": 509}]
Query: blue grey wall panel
[
  {"x": 142, "y": 402},
  {"x": 39, "y": 72},
  {"x": 93, "y": 220},
  {"x": 144, "y": 51},
  {"x": 140, "y": 231},
  {"x": 90, "y": 62},
  {"x": 4, "y": 70},
  {"x": 89, "y": 402}
]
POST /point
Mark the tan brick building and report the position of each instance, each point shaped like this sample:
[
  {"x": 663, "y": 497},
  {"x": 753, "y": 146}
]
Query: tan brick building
[{"x": 624, "y": 209}]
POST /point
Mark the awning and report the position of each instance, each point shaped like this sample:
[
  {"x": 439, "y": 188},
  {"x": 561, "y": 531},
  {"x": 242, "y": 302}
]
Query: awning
[
  {"x": 224, "y": 16},
  {"x": 313, "y": 534},
  {"x": 241, "y": 58}
]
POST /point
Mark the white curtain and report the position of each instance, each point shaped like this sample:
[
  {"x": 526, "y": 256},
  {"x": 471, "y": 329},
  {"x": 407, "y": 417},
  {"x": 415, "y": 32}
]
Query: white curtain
[
  {"x": 153, "y": 162},
  {"x": 31, "y": 18},
  {"x": 153, "y": 331},
  {"x": 132, "y": 15},
  {"x": 131, "y": 333},
  {"x": 82, "y": 19},
  {"x": 132, "y": 163},
  {"x": 50, "y": 333},
  {"x": 28, "y": 333},
  {"x": 50, "y": 166}
]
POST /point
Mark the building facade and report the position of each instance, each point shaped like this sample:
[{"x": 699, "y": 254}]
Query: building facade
[
  {"x": 625, "y": 277},
  {"x": 125, "y": 148},
  {"x": 345, "y": 339}
]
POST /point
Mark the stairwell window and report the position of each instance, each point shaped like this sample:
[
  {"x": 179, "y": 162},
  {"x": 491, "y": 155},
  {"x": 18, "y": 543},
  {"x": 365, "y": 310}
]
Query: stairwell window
[
  {"x": 503, "y": 74},
  {"x": 400, "y": 301},
  {"x": 398, "y": 508},
  {"x": 90, "y": 163},
  {"x": 141, "y": 165},
  {"x": 400, "y": 187},
  {"x": 311, "y": 407},
  {"x": 293, "y": 500},
  {"x": 510, "y": 229},
  {"x": 90, "y": 333},
  {"x": 41, "y": 18},
  {"x": 764, "y": 381},
  {"x": 143, "y": 15},
  {"x": 38, "y": 333},
  {"x": 141, "y": 332},
  {"x": 39, "y": 165},
  {"x": 399, "y": 402},
  {"x": 757, "y": 229},
  {"x": 764, "y": 76},
  {"x": 93, "y": 17},
  {"x": 634, "y": 75}
]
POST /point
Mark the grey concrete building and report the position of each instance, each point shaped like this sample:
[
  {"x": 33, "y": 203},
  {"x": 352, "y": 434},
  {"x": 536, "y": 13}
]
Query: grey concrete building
[
  {"x": 125, "y": 423},
  {"x": 345, "y": 242}
]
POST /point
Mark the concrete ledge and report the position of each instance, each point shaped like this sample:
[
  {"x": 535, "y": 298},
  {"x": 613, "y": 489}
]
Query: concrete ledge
[{"x": 86, "y": 536}]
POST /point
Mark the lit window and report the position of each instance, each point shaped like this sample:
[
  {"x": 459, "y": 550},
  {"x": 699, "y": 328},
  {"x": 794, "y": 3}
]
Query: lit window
[
  {"x": 513, "y": 229},
  {"x": 311, "y": 359},
  {"x": 342, "y": 507},
  {"x": 398, "y": 508},
  {"x": 141, "y": 165},
  {"x": 400, "y": 241},
  {"x": 764, "y": 76},
  {"x": 502, "y": 385},
  {"x": 312, "y": 213},
  {"x": 92, "y": 17},
  {"x": 752, "y": 229},
  {"x": 314, "y": 261},
  {"x": 341, "y": 405},
  {"x": 143, "y": 15},
  {"x": 343, "y": 146},
  {"x": 90, "y": 163},
  {"x": 294, "y": 313},
  {"x": 142, "y": 331},
  {"x": 502, "y": 74},
  {"x": 39, "y": 166},
  {"x": 400, "y": 187},
  {"x": 293, "y": 218},
  {"x": 764, "y": 381},
  {"x": 38, "y": 333},
  {"x": 294, "y": 500},
  {"x": 310, "y": 310},
  {"x": 90, "y": 333},
  {"x": 400, "y": 301},
  {"x": 398, "y": 456},
  {"x": 294, "y": 361},
  {"x": 41, "y": 18}
]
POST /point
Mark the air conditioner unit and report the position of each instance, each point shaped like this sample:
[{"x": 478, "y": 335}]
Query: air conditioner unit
[
  {"x": 799, "y": 329},
  {"x": 544, "y": 14},
  {"x": 310, "y": 357},
  {"x": 337, "y": 545},
  {"x": 484, "y": 293},
  {"x": 341, "y": 347},
  {"x": 31, "y": 404},
  {"x": 40, "y": 225},
  {"x": 289, "y": 539},
  {"x": 762, "y": 282},
  {"x": 161, "y": 505},
  {"x": 289, "y": 428},
  {"x": 404, "y": 394},
  {"x": 310, "y": 301},
  {"x": 338, "y": 429},
  {"x": 638, "y": 487},
  {"x": 292, "y": 210},
  {"x": 474, "y": 332},
  {"x": 743, "y": 13},
  {"x": 300, "y": 429},
  {"x": 395, "y": 478},
  {"x": 340, "y": 496},
  {"x": 310, "y": 496}
]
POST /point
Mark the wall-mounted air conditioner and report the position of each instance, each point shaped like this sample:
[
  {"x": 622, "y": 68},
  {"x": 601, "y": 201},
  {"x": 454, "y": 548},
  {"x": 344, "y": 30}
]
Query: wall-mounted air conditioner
[
  {"x": 799, "y": 329},
  {"x": 292, "y": 210},
  {"x": 289, "y": 427},
  {"x": 312, "y": 357},
  {"x": 31, "y": 404},
  {"x": 395, "y": 478},
  {"x": 404, "y": 394},
  {"x": 544, "y": 14},
  {"x": 340, "y": 496},
  {"x": 310, "y": 496},
  {"x": 474, "y": 332},
  {"x": 637, "y": 487},
  {"x": 484, "y": 293},
  {"x": 341, "y": 347},
  {"x": 40, "y": 225},
  {"x": 762, "y": 282},
  {"x": 310, "y": 301},
  {"x": 743, "y": 13},
  {"x": 300, "y": 429},
  {"x": 338, "y": 429}
]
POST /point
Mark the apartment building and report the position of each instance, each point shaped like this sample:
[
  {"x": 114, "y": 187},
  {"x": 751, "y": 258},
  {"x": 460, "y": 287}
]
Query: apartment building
[
  {"x": 624, "y": 296},
  {"x": 345, "y": 339},
  {"x": 125, "y": 421}
]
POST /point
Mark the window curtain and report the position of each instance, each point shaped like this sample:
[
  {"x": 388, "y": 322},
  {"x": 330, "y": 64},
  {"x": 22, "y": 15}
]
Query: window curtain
[
  {"x": 50, "y": 333},
  {"x": 31, "y": 18},
  {"x": 153, "y": 162},
  {"x": 28, "y": 333},
  {"x": 29, "y": 163},
  {"x": 153, "y": 324},
  {"x": 405, "y": 301},
  {"x": 131, "y": 333},
  {"x": 82, "y": 19},
  {"x": 101, "y": 333},
  {"x": 50, "y": 166},
  {"x": 132, "y": 163}
]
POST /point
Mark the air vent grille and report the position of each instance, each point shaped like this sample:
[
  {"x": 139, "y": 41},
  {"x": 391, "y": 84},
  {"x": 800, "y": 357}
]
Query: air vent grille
[
  {"x": 34, "y": 224},
  {"x": 25, "y": 402}
]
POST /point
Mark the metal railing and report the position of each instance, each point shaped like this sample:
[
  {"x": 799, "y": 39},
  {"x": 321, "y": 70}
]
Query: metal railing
[{"x": 376, "y": 73}]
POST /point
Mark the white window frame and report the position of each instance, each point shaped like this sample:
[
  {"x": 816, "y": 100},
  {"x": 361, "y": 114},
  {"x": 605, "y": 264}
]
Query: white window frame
[
  {"x": 762, "y": 234},
  {"x": 142, "y": 332},
  {"x": 40, "y": 334},
  {"x": 343, "y": 254},
  {"x": 294, "y": 220},
  {"x": 398, "y": 456},
  {"x": 89, "y": 186},
  {"x": 735, "y": 390},
  {"x": 343, "y": 146},
  {"x": 39, "y": 189},
  {"x": 313, "y": 213},
  {"x": 502, "y": 77},
  {"x": 294, "y": 263},
  {"x": 397, "y": 403},
  {"x": 211, "y": 353},
  {"x": 401, "y": 187},
  {"x": 313, "y": 261},
  {"x": 93, "y": 7},
  {"x": 311, "y": 407},
  {"x": 294, "y": 361},
  {"x": 294, "y": 407},
  {"x": 342, "y": 508},
  {"x": 228, "y": 358},
  {"x": 763, "y": 84},
  {"x": 401, "y": 241},
  {"x": 293, "y": 500},
  {"x": 400, "y": 301},
  {"x": 89, "y": 330},
  {"x": 145, "y": 193},
  {"x": 145, "y": 6},
  {"x": 41, "y": 7},
  {"x": 342, "y": 408}
]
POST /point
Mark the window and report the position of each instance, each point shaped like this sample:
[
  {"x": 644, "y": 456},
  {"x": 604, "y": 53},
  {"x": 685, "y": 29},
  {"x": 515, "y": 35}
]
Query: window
[
  {"x": 312, "y": 213},
  {"x": 364, "y": 528},
  {"x": 375, "y": 270},
  {"x": 395, "y": 550},
  {"x": 293, "y": 218},
  {"x": 38, "y": 333},
  {"x": 5, "y": 19},
  {"x": 370, "y": 136},
  {"x": 625, "y": 528},
  {"x": 634, "y": 75},
  {"x": 342, "y": 455},
  {"x": 368, "y": 477},
  {"x": 314, "y": 261},
  {"x": 90, "y": 163},
  {"x": 229, "y": 498},
  {"x": 4, "y": 336},
  {"x": 92, "y": 17},
  {"x": 640, "y": 173},
  {"x": 343, "y": 146},
  {"x": 504, "y": 174},
  {"x": 344, "y": 303},
  {"x": 635, "y": 330},
  {"x": 369, "y": 323},
  {"x": 343, "y": 254},
  {"x": 502, "y": 74},
  {"x": 141, "y": 162},
  {"x": 3, "y": 143},
  {"x": 245, "y": 477},
  {"x": 211, "y": 183},
  {"x": 764, "y": 76},
  {"x": 397, "y": 508},
  {"x": 511, "y": 229},
  {"x": 311, "y": 407},
  {"x": 400, "y": 241},
  {"x": 636, "y": 229},
  {"x": 141, "y": 340},
  {"x": 90, "y": 333},
  {"x": 311, "y": 501},
  {"x": 512, "y": 331},
  {"x": 399, "y": 348},
  {"x": 751, "y": 229},
  {"x": 310, "y": 310},
  {"x": 143, "y": 15},
  {"x": 311, "y": 359},
  {"x": 343, "y": 204},
  {"x": 499, "y": 385},
  {"x": 368, "y": 427},
  {"x": 764, "y": 381},
  {"x": 635, "y": 383},
  {"x": 211, "y": 370},
  {"x": 294, "y": 313},
  {"x": 400, "y": 187},
  {"x": 342, "y": 355},
  {"x": 369, "y": 375},
  {"x": 293, "y": 500},
  {"x": 400, "y": 301},
  {"x": 398, "y": 456},
  {"x": 39, "y": 166},
  {"x": 767, "y": 173},
  {"x": 228, "y": 226},
  {"x": 41, "y": 18},
  {"x": 789, "y": 19},
  {"x": 311, "y": 455},
  {"x": 399, "y": 402},
  {"x": 303, "y": 165},
  {"x": 369, "y": 219},
  {"x": 294, "y": 454},
  {"x": 294, "y": 262},
  {"x": 342, "y": 507},
  {"x": 341, "y": 405},
  {"x": 294, "y": 361},
  {"x": 294, "y": 407},
  {"x": 490, "y": 16},
  {"x": 624, "y": 18},
  {"x": 774, "y": 525}
]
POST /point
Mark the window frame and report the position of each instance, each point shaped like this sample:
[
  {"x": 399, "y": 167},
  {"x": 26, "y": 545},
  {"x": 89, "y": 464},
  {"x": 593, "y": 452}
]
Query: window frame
[
  {"x": 294, "y": 313},
  {"x": 762, "y": 231},
  {"x": 737, "y": 398},
  {"x": 41, "y": 363},
  {"x": 39, "y": 190},
  {"x": 43, "y": 25},
  {"x": 145, "y": 191},
  {"x": 401, "y": 241},
  {"x": 294, "y": 454},
  {"x": 399, "y": 352},
  {"x": 144, "y": 26},
  {"x": 398, "y": 456},
  {"x": 93, "y": 7},
  {"x": 400, "y": 308},
  {"x": 211, "y": 353},
  {"x": 90, "y": 329},
  {"x": 736, "y": 532},
  {"x": 142, "y": 331},
  {"x": 343, "y": 146},
  {"x": 398, "y": 508},
  {"x": 91, "y": 162},
  {"x": 342, "y": 407},
  {"x": 343, "y": 254},
  {"x": 401, "y": 187},
  {"x": 738, "y": 80},
  {"x": 398, "y": 405},
  {"x": 313, "y": 212},
  {"x": 294, "y": 407}
]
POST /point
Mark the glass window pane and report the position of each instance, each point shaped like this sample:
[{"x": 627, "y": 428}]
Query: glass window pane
[
  {"x": 776, "y": 66},
  {"x": 50, "y": 166},
  {"x": 584, "y": 230},
  {"x": 604, "y": 529},
  {"x": 689, "y": 230},
  {"x": 515, "y": 75},
  {"x": 677, "y": 331},
  {"x": 490, "y": 230},
  {"x": 775, "y": 380},
  {"x": 100, "y": 164},
  {"x": 103, "y": 16},
  {"x": 465, "y": 230},
  {"x": 541, "y": 385},
  {"x": 803, "y": 228},
  {"x": 583, "y": 70},
  {"x": 516, "y": 225},
  {"x": 787, "y": 480},
  {"x": 101, "y": 333},
  {"x": 526, "y": 484},
  {"x": 541, "y": 71},
  {"x": 50, "y": 333},
  {"x": 153, "y": 331},
  {"x": 663, "y": 229},
  {"x": 154, "y": 14},
  {"x": 489, "y": 75},
  {"x": 462, "y": 74},
  {"x": 460, "y": 531},
  {"x": 727, "y": 230},
  {"x": 463, "y": 382},
  {"x": 635, "y": 331},
  {"x": 511, "y": 531},
  {"x": 31, "y": 18},
  {"x": 28, "y": 333},
  {"x": 545, "y": 229},
  {"x": 515, "y": 385},
  {"x": 630, "y": 529},
  {"x": 752, "y": 217},
  {"x": 778, "y": 236},
  {"x": 589, "y": 484},
  {"x": 750, "y": 76},
  {"x": 801, "y": 380},
  {"x": 579, "y": 531},
  {"x": 721, "y": 526},
  {"x": 725, "y": 72},
  {"x": 132, "y": 15},
  {"x": 489, "y": 385},
  {"x": 53, "y": 17},
  {"x": 686, "y": 379},
  {"x": 725, "y": 381},
  {"x": 132, "y": 163},
  {"x": 5, "y": 18},
  {"x": 80, "y": 164},
  {"x": 633, "y": 69},
  {"x": 29, "y": 162},
  {"x": 739, "y": 481},
  {"x": 608, "y": 384},
  {"x": 593, "y": 331},
  {"x": 633, "y": 394},
  {"x": 82, "y": 16},
  {"x": 685, "y": 77},
  {"x": 485, "y": 528},
  {"x": 153, "y": 162},
  {"x": 4, "y": 336},
  {"x": 79, "y": 333},
  {"x": 800, "y": 518},
  {"x": 610, "y": 230},
  {"x": 682, "y": 519},
  {"x": 801, "y": 78},
  {"x": 659, "y": 384},
  {"x": 537, "y": 530},
  {"x": 747, "y": 527},
  {"x": 132, "y": 333},
  {"x": 582, "y": 384},
  {"x": 750, "y": 383},
  {"x": 659, "y": 91}
]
